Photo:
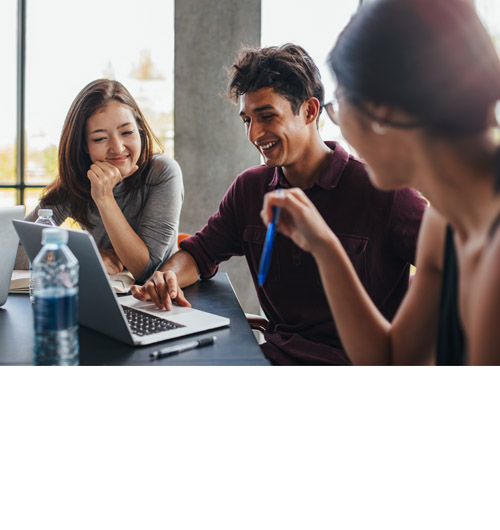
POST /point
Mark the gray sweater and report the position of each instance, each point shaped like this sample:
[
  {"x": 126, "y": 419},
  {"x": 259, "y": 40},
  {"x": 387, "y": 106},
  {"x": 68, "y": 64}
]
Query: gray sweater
[{"x": 157, "y": 225}]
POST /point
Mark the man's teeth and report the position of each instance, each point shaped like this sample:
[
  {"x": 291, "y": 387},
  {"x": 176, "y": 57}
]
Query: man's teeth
[{"x": 267, "y": 146}]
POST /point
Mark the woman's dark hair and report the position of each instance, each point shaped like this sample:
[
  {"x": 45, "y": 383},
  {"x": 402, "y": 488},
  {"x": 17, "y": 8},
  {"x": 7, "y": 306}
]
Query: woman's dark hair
[
  {"x": 287, "y": 69},
  {"x": 72, "y": 185},
  {"x": 430, "y": 58}
]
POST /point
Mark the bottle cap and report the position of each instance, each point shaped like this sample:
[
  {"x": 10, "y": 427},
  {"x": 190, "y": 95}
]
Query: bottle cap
[
  {"x": 45, "y": 212},
  {"x": 54, "y": 235}
]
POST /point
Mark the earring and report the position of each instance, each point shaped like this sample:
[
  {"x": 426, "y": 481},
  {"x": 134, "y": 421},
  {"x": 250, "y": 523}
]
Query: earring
[{"x": 378, "y": 129}]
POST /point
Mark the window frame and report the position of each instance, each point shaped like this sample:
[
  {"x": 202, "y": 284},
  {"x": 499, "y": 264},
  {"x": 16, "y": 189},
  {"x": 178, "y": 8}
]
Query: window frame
[{"x": 20, "y": 185}]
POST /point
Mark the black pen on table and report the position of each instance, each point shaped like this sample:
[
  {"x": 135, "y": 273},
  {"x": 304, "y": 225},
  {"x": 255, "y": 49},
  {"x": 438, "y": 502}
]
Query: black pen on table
[{"x": 179, "y": 348}]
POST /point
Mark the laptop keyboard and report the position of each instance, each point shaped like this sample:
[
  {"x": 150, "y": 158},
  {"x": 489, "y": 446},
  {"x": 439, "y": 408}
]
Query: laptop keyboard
[{"x": 145, "y": 324}]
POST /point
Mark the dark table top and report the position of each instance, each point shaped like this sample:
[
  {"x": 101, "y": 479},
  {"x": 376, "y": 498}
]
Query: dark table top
[{"x": 235, "y": 345}]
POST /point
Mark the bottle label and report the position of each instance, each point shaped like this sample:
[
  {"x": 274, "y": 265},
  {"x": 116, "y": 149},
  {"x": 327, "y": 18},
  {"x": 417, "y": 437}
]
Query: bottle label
[{"x": 55, "y": 313}]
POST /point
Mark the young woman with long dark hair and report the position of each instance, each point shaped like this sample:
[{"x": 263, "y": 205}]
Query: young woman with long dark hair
[
  {"x": 418, "y": 81},
  {"x": 111, "y": 182}
]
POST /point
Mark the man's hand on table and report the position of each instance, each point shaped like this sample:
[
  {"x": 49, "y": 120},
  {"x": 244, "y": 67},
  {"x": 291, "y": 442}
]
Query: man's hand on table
[{"x": 162, "y": 289}]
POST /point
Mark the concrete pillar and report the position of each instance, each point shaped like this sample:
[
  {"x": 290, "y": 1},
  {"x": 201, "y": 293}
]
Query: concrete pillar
[{"x": 210, "y": 143}]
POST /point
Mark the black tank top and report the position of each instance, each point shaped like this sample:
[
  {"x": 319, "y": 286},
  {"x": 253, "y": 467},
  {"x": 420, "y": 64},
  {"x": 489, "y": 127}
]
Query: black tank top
[{"x": 450, "y": 345}]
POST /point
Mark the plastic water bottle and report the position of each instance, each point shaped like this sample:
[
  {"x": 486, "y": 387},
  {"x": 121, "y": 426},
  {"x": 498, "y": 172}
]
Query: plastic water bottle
[
  {"x": 55, "y": 273},
  {"x": 44, "y": 218}
]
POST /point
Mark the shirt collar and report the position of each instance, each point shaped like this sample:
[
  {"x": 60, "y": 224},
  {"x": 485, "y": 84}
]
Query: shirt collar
[{"x": 328, "y": 179}]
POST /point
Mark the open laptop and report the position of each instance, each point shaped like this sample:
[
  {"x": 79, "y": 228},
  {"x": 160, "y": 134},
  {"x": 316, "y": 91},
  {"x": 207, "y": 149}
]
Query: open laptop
[
  {"x": 8, "y": 251},
  {"x": 99, "y": 308}
]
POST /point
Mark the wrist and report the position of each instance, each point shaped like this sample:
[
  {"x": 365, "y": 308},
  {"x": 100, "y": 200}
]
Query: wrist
[
  {"x": 104, "y": 201},
  {"x": 325, "y": 247}
]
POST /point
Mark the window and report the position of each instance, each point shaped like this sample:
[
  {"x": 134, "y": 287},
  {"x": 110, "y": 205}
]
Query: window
[
  {"x": 489, "y": 12},
  {"x": 69, "y": 46},
  {"x": 8, "y": 25}
]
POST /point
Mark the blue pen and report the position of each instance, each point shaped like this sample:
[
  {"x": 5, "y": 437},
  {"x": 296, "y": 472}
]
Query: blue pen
[{"x": 265, "y": 259}]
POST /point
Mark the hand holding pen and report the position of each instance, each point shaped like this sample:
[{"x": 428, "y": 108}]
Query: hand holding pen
[{"x": 299, "y": 219}]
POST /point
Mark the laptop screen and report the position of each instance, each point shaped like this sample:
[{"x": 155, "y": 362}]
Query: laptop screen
[{"x": 9, "y": 239}]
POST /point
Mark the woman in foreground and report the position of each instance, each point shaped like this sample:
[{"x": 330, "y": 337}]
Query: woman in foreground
[{"x": 417, "y": 84}]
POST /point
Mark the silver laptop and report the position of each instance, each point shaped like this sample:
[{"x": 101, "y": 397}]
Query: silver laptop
[
  {"x": 99, "y": 308},
  {"x": 8, "y": 251}
]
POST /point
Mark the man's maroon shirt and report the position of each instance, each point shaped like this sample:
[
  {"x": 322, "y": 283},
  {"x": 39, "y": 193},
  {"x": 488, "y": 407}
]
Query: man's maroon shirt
[{"x": 378, "y": 230}]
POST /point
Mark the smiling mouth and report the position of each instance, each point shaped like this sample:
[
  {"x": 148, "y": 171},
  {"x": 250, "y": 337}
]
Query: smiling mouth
[
  {"x": 266, "y": 147},
  {"x": 119, "y": 158}
]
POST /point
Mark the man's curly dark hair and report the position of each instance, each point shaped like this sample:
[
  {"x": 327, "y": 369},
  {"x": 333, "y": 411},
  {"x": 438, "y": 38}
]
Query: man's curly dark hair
[{"x": 287, "y": 69}]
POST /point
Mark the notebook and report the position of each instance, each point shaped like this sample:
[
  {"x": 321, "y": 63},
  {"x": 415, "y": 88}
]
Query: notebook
[
  {"x": 99, "y": 308},
  {"x": 10, "y": 241},
  {"x": 19, "y": 283}
]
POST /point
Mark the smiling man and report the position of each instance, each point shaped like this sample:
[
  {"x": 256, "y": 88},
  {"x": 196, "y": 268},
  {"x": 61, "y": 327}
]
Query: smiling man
[{"x": 280, "y": 97}]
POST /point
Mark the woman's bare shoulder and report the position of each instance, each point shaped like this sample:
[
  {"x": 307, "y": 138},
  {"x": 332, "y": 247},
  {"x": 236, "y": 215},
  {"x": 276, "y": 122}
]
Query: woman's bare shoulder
[{"x": 484, "y": 335}]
